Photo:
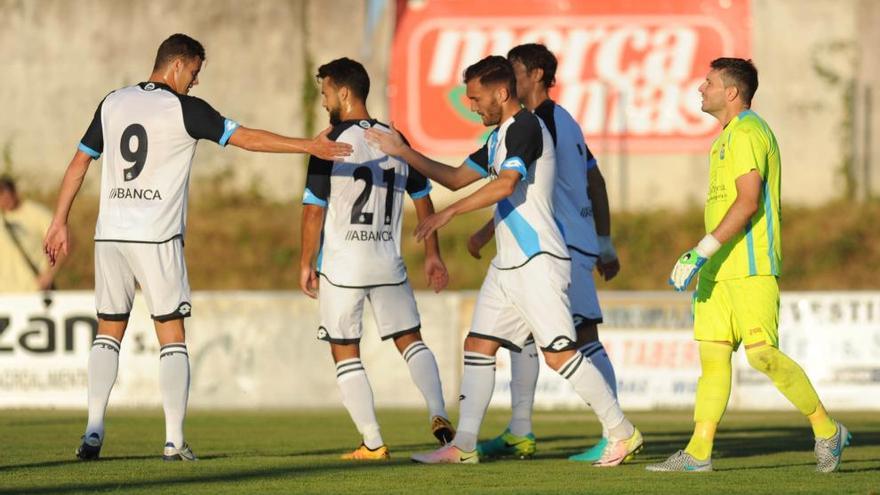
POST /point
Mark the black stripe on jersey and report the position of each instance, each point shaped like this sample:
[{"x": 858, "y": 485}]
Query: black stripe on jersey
[
  {"x": 200, "y": 119},
  {"x": 126, "y": 241},
  {"x": 575, "y": 248},
  {"x": 539, "y": 253},
  {"x": 402, "y": 332},
  {"x": 545, "y": 111},
  {"x": 504, "y": 342},
  {"x": 321, "y": 274}
]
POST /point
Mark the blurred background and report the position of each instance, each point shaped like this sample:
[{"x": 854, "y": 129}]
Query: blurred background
[{"x": 629, "y": 72}]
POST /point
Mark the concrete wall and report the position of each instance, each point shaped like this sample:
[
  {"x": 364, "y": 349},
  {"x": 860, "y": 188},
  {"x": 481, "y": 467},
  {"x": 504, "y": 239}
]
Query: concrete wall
[{"x": 59, "y": 58}]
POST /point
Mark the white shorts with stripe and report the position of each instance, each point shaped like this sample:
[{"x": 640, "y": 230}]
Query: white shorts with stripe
[
  {"x": 529, "y": 300},
  {"x": 342, "y": 309},
  {"x": 159, "y": 270}
]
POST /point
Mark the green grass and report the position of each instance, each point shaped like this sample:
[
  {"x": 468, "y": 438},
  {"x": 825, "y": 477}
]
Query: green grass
[{"x": 286, "y": 452}]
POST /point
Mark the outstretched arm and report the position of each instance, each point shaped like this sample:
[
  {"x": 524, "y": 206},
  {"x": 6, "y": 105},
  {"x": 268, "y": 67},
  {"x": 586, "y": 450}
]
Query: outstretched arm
[
  {"x": 435, "y": 270},
  {"x": 392, "y": 143},
  {"x": 487, "y": 195},
  {"x": 56, "y": 244},
  {"x": 269, "y": 142}
]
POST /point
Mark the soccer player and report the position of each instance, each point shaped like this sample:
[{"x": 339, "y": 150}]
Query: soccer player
[
  {"x": 352, "y": 216},
  {"x": 524, "y": 292},
  {"x": 738, "y": 262},
  {"x": 148, "y": 134},
  {"x": 581, "y": 211}
]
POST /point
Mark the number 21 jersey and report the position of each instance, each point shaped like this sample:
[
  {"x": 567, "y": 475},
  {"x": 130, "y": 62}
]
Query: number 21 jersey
[
  {"x": 363, "y": 198},
  {"x": 148, "y": 134}
]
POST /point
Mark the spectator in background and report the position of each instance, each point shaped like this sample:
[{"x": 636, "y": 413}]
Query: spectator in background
[{"x": 23, "y": 268}]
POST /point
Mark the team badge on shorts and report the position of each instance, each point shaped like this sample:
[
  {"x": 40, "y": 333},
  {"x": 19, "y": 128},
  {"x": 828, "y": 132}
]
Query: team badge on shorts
[
  {"x": 184, "y": 309},
  {"x": 560, "y": 344}
]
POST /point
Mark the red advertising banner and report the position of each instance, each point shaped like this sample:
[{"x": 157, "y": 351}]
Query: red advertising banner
[{"x": 628, "y": 70}]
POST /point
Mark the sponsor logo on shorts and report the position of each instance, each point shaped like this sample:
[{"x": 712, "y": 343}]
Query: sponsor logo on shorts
[
  {"x": 369, "y": 235},
  {"x": 131, "y": 193},
  {"x": 561, "y": 344},
  {"x": 150, "y": 87},
  {"x": 365, "y": 124},
  {"x": 322, "y": 333},
  {"x": 184, "y": 308}
]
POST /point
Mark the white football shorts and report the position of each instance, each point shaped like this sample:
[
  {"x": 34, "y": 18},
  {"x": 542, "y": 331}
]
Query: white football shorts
[
  {"x": 529, "y": 300},
  {"x": 159, "y": 269},
  {"x": 342, "y": 308}
]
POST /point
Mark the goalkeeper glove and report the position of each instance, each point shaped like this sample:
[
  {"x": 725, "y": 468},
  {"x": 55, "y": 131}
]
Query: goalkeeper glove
[{"x": 689, "y": 263}]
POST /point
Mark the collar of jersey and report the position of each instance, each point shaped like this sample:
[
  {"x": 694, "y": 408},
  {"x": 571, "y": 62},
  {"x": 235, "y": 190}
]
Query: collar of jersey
[{"x": 159, "y": 85}]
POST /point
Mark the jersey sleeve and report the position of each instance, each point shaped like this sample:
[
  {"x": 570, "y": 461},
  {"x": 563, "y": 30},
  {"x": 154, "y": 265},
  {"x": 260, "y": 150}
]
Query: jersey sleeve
[
  {"x": 203, "y": 122},
  {"x": 417, "y": 185},
  {"x": 748, "y": 149},
  {"x": 479, "y": 160},
  {"x": 525, "y": 143},
  {"x": 92, "y": 142},
  {"x": 317, "y": 182}
]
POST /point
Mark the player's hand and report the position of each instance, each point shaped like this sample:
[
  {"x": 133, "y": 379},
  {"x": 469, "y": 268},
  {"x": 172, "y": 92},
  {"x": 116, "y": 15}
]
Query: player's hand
[
  {"x": 479, "y": 239},
  {"x": 608, "y": 269},
  {"x": 689, "y": 264},
  {"x": 686, "y": 268},
  {"x": 432, "y": 223},
  {"x": 308, "y": 281},
  {"x": 436, "y": 273},
  {"x": 608, "y": 264},
  {"x": 323, "y": 147},
  {"x": 56, "y": 244},
  {"x": 391, "y": 143}
]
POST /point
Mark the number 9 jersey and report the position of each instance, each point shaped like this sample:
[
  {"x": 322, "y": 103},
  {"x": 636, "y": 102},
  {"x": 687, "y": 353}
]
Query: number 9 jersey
[
  {"x": 363, "y": 198},
  {"x": 148, "y": 134}
]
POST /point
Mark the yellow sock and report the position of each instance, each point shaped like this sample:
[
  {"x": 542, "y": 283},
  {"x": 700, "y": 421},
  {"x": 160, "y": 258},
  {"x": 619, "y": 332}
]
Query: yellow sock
[
  {"x": 823, "y": 425},
  {"x": 713, "y": 392},
  {"x": 702, "y": 440}
]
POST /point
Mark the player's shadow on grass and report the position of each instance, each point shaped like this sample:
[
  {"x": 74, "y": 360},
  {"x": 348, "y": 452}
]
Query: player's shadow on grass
[
  {"x": 416, "y": 447},
  {"x": 198, "y": 478},
  {"x": 103, "y": 459},
  {"x": 737, "y": 442}
]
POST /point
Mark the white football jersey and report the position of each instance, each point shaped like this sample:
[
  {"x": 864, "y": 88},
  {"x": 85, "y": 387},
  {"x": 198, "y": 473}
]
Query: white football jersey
[
  {"x": 363, "y": 198},
  {"x": 573, "y": 208},
  {"x": 524, "y": 223},
  {"x": 148, "y": 134}
]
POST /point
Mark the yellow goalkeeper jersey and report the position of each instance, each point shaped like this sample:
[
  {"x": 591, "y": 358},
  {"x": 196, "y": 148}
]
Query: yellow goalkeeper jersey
[{"x": 745, "y": 144}]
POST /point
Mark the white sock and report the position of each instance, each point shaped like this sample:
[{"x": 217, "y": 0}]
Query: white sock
[
  {"x": 523, "y": 381},
  {"x": 591, "y": 386},
  {"x": 477, "y": 384},
  {"x": 357, "y": 397},
  {"x": 426, "y": 376},
  {"x": 103, "y": 365},
  {"x": 595, "y": 352},
  {"x": 174, "y": 385}
]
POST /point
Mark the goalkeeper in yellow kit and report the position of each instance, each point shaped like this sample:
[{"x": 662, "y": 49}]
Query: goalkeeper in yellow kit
[{"x": 738, "y": 262}]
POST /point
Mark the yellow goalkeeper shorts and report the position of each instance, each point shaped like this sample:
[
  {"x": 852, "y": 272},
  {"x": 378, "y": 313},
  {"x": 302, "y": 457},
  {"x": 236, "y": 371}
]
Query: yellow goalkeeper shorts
[{"x": 741, "y": 310}]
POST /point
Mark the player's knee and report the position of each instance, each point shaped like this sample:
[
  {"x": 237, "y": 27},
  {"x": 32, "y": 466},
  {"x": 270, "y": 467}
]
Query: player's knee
[
  {"x": 555, "y": 360},
  {"x": 402, "y": 342},
  {"x": 764, "y": 359}
]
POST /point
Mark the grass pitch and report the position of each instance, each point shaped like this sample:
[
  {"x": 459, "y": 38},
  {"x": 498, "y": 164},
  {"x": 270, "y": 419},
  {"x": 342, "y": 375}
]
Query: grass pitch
[{"x": 287, "y": 452}]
